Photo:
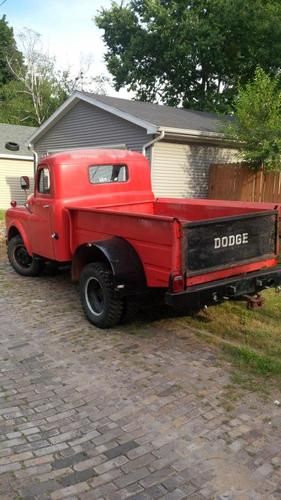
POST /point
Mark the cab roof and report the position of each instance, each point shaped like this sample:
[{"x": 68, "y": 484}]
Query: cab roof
[{"x": 95, "y": 155}]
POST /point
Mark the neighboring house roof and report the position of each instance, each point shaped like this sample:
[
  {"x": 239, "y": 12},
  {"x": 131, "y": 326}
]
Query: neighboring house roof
[
  {"x": 18, "y": 134},
  {"x": 162, "y": 116},
  {"x": 155, "y": 118}
]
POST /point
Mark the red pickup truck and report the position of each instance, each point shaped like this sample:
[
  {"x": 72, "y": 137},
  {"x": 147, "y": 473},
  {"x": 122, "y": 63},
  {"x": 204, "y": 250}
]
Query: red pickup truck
[{"x": 95, "y": 210}]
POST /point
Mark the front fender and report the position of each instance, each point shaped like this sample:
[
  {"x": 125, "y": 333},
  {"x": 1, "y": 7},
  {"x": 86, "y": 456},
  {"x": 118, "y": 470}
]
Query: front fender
[{"x": 19, "y": 227}]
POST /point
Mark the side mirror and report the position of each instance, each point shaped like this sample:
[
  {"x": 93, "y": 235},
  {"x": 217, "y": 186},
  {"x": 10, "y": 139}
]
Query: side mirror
[{"x": 24, "y": 182}]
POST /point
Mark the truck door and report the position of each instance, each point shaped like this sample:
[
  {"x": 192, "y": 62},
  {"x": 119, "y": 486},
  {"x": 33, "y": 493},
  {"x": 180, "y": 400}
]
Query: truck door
[{"x": 42, "y": 214}]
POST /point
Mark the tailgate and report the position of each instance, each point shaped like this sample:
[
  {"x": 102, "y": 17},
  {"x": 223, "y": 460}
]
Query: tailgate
[{"x": 229, "y": 241}]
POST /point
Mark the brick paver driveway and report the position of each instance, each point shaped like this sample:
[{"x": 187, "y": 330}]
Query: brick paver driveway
[{"x": 134, "y": 412}]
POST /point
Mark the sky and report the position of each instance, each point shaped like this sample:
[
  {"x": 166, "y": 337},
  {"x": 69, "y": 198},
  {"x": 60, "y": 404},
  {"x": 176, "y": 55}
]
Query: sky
[{"x": 67, "y": 28}]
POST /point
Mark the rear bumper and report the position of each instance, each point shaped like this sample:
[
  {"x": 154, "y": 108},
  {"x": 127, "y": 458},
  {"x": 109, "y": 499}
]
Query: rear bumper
[{"x": 230, "y": 288}]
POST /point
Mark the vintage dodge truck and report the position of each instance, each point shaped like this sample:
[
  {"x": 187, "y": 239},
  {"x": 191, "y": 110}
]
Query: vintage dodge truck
[{"x": 95, "y": 210}]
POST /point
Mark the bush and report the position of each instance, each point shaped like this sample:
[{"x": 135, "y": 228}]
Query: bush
[{"x": 257, "y": 123}]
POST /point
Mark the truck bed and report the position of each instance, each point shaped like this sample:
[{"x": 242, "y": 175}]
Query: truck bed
[{"x": 171, "y": 235}]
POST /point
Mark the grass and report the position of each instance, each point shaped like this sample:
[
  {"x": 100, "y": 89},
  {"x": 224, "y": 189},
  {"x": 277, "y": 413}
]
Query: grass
[
  {"x": 251, "y": 338},
  {"x": 2, "y": 214}
]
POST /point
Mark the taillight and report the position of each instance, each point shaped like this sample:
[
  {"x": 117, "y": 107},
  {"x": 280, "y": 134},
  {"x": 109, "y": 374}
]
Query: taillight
[{"x": 178, "y": 283}]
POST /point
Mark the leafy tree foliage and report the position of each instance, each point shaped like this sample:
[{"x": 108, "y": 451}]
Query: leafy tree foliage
[
  {"x": 8, "y": 49},
  {"x": 38, "y": 87},
  {"x": 193, "y": 53},
  {"x": 257, "y": 124}
]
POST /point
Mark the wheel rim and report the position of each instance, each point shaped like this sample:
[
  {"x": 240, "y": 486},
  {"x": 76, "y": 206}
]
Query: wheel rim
[
  {"x": 21, "y": 257},
  {"x": 94, "y": 296}
]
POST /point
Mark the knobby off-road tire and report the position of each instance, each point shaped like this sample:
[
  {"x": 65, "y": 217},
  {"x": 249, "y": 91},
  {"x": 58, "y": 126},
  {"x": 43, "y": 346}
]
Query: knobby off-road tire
[
  {"x": 101, "y": 305},
  {"x": 20, "y": 260},
  {"x": 130, "y": 308}
]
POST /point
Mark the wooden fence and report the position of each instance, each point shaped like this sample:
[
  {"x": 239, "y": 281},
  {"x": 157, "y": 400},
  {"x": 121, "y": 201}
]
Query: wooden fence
[{"x": 233, "y": 181}]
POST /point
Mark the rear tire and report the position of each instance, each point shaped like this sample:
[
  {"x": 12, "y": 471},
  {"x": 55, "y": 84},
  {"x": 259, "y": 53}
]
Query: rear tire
[
  {"x": 101, "y": 305},
  {"x": 131, "y": 308},
  {"x": 20, "y": 259}
]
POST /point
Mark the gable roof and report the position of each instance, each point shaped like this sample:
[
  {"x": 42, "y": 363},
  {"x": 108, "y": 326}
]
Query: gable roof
[
  {"x": 15, "y": 133},
  {"x": 163, "y": 116},
  {"x": 154, "y": 118}
]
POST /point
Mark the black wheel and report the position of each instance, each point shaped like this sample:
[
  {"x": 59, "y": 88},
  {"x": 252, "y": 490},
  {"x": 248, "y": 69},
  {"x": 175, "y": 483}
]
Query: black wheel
[
  {"x": 100, "y": 303},
  {"x": 131, "y": 308},
  {"x": 20, "y": 259}
]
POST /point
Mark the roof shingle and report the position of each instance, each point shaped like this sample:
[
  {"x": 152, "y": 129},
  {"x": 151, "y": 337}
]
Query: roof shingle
[{"x": 163, "y": 116}]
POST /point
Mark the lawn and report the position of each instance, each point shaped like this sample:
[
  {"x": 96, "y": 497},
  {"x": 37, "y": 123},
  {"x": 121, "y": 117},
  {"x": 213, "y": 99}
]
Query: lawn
[
  {"x": 2, "y": 214},
  {"x": 251, "y": 337}
]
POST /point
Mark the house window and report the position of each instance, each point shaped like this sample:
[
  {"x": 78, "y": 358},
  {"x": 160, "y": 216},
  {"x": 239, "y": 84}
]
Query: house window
[
  {"x": 44, "y": 184},
  {"x": 104, "y": 174}
]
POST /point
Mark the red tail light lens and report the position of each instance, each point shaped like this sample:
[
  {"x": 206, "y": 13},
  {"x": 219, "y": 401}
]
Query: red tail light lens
[{"x": 178, "y": 283}]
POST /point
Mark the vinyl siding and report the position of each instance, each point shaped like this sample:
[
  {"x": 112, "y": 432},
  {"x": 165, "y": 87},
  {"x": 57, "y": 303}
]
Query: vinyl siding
[
  {"x": 86, "y": 125},
  {"x": 10, "y": 173},
  {"x": 181, "y": 170}
]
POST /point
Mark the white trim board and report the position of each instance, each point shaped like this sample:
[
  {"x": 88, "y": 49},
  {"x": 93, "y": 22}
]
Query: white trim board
[{"x": 15, "y": 157}]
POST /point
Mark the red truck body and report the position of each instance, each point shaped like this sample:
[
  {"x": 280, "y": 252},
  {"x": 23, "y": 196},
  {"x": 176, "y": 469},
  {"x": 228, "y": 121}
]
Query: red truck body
[{"x": 84, "y": 212}]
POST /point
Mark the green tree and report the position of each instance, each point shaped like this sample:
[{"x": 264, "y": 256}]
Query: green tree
[
  {"x": 257, "y": 123},
  {"x": 8, "y": 49},
  {"x": 191, "y": 53},
  {"x": 38, "y": 87}
]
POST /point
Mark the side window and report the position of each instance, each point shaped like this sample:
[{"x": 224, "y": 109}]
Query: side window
[
  {"x": 44, "y": 184},
  {"x": 104, "y": 174}
]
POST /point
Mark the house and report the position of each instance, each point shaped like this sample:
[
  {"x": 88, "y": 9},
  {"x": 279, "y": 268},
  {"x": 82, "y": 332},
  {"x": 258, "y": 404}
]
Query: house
[
  {"x": 180, "y": 143},
  {"x": 15, "y": 160}
]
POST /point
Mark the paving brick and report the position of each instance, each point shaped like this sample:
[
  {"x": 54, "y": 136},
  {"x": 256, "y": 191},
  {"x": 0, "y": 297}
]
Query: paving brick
[
  {"x": 110, "y": 464},
  {"x": 87, "y": 437},
  {"x": 141, "y": 450},
  {"x": 156, "y": 477},
  {"x": 147, "y": 459},
  {"x": 132, "y": 477},
  {"x": 90, "y": 462},
  {"x": 32, "y": 471},
  {"x": 121, "y": 450},
  {"x": 50, "y": 449},
  {"x": 54, "y": 474},
  {"x": 39, "y": 489},
  {"x": 17, "y": 457},
  {"x": 78, "y": 477},
  {"x": 9, "y": 467},
  {"x": 67, "y": 436},
  {"x": 12, "y": 435},
  {"x": 156, "y": 491},
  {"x": 12, "y": 442},
  {"x": 71, "y": 490},
  {"x": 69, "y": 461},
  {"x": 173, "y": 482},
  {"x": 100, "y": 491},
  {"x": 39, "y": 460},
  {"x": 175, "y": 495},
  {"x": 107, "y": 477}
]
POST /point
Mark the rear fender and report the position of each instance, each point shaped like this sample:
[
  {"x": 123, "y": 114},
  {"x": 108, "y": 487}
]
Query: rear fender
[
  {"x": 126, "y": 266},
  {"x": 15, "y": 227}
]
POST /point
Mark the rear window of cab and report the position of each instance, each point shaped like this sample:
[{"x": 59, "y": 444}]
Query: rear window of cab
[{"x": 106, "y": 174}]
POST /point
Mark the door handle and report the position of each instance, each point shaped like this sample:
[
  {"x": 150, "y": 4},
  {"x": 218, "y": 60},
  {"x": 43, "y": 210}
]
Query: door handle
[{"x": 45, "y": 206}]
